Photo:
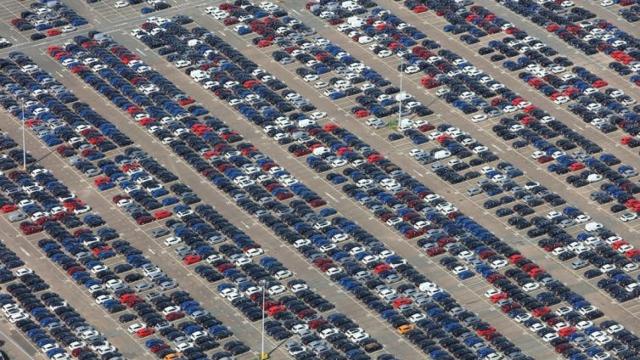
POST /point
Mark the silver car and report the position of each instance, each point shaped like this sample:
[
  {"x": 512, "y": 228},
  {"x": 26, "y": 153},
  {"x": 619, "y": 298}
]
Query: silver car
[{"x": 17, "y": 216}]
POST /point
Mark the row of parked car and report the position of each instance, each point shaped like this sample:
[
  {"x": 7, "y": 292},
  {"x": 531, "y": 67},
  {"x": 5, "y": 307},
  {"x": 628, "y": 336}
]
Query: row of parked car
[
  {"x": 584, "y": 175},
  {"x": 631, "y": 13},
  {"x": 580, "y": 85},
  {"x": 237, "y": 264},
  {"x": 581, "y": 29},
  {"x": 248, "y": 170},
  {"x": 567, "y": 143},
  {"x": 53, "y": 326},
  {"x": 192, "y": 259},
  {"x": 48, "y": 18},
  {"x": 227, "y": 186},
  {"x": 594, "y": 107},
  {"x": 91, "y": 250}
]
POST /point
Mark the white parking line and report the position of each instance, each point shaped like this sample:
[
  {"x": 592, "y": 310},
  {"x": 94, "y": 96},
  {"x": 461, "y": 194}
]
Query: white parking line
[
  {"x": 331, "y": 197},
  {"x": 418, "y": 173},
  {"x": 24, "y": 251}
]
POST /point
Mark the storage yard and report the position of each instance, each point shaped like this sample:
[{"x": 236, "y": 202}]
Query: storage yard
[{"x": 319, "y": 180}]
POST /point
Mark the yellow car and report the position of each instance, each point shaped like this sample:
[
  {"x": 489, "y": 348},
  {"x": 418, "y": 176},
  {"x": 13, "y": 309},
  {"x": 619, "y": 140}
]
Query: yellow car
[{"x": 403, "y": 329}]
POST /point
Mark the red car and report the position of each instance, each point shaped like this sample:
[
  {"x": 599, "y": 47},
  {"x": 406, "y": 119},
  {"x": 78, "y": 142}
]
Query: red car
[
  {"x": 435, "y": 251},
  {"x": 419, "y": 9},
  {"x": 314, "y": 324},
  {"x": 144, "y": 332},
  {"x": 361, "y": 114},
  {"x": 7, "y": 208},
  {"x": 317, "y": 203},
  {"x": 401, "y": 301},
  {"x": 29, "y": 228},
  {"x": 53, "y": 32},
  {"x": 74, "y": 269},
  {"x": 191, "y": 259},
  {"x": 174, "y": 316},
  {"x": 541, "y": 311},
  {"x": 566, "y": 331},
  {"x": 144, "y": 219},
  {"x": 161, "y": 214},
  {"x": 276, "y": 309},
  {"x": 284, "y": 195}
]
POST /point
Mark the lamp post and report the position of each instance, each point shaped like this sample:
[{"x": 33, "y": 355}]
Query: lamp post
[
  {"x": 24, "y": 143},
  {"x": 263, "y": 355},
  {"x": 400, "y": 105}
]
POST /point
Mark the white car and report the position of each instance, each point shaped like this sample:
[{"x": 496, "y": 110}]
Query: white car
[
  {"x": 253, "y": 252},
  {"x": 479, "y": 118},
  {"x": 522, "y": 317},
  {"x": 173, "y": 240},
  {"x": 310, "y": 77},
  {"x": 628, "y": 217},
  {"x": 299, "y": 287},
  {"x": 320, "y": 84},
  {"x": 607, "y": 267},
  {"x": 317, "y": 115},
  {"x": 239, "y": 259},
  {"x": 530, "y": 286},
  {"x": 411, "y": 69},
  {"x": 561, "y": 100},
  {"x": 182, "y": 63},
  {"x": 582, "y": 218},
  {"x": 301, "y": 242},
  {"x": 121, "y": 4},
  {"x": 535, "y": 327},
  {"x": 103, "y": 298},
  {"x": 491, "y": 292},
  {"x": 553, "y": 214},
  {"x": 283, "y": 274},
  {"x": 584, "y": 324},
  {"x": 219, "y": 15},
  {"x": 459, "y": 269},
  {"x": 135, "y": 327},
  {"x": 615, "y": 328},
  {"x": 593, "y": 226},
  {"x": 563, "y": 310},
  {"x": 498, "y": 264},
  {"x": 336, "y": 163},
  {"x": 276, "y": 289}
]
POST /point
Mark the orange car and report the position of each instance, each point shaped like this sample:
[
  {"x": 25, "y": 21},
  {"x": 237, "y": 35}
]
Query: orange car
[{"x": 403, "y": 329}]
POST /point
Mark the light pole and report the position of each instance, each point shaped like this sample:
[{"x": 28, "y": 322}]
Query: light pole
[
  {"x": 400, "y": 95},
  {"x": 263, "y": 355},
  {"x": 24, "y": 143}
]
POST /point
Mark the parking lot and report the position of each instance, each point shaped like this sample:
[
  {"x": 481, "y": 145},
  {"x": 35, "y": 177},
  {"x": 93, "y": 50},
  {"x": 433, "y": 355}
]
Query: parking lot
[{"x": 488, "y": 152}]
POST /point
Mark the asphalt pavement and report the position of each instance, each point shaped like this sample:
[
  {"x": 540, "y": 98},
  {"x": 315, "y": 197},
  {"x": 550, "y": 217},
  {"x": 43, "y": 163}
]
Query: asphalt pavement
[
  {"x": 468, "y": 293},
  {"x": 557, "y": 269}
]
